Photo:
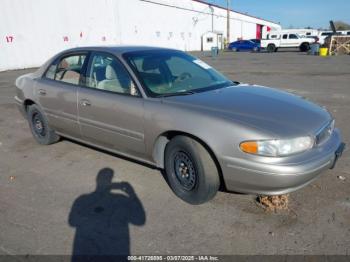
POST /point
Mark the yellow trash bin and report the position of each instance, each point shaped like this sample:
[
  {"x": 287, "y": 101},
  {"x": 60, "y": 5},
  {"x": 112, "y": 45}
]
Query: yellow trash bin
[{"x": 323, "y": 51}]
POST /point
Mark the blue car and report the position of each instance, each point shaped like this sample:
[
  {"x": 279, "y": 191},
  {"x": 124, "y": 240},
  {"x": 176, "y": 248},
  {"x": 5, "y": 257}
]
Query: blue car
[{"x": 244, "y": 45}]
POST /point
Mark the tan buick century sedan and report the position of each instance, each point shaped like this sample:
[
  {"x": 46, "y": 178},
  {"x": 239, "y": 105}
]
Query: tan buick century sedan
[{"x": 171, "y": 110}]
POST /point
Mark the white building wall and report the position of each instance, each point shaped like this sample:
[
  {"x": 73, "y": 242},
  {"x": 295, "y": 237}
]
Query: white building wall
[{"x": 33, "y": 30}]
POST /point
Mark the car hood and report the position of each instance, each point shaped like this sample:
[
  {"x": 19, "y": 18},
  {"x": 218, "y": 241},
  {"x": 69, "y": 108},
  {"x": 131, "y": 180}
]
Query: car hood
[{"x": 276, "y": 112}]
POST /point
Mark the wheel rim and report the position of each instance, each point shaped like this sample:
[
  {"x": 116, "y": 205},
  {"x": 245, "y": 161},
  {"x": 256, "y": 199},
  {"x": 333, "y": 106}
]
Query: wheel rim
[
  {"x": 185, "y": 170},
  {"x": 38, "y": 125}
]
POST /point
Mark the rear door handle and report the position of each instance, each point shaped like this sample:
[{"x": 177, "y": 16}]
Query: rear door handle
[
  {"x": 42, "y": 92},
  {"x": 85, "y": 102}
]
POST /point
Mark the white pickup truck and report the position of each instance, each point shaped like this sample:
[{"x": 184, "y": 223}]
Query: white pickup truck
[{"x": 275, "y": 41}]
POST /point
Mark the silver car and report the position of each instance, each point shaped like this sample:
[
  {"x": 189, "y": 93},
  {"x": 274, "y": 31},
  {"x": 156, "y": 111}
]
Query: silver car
[{"x": 173, "y": 111}]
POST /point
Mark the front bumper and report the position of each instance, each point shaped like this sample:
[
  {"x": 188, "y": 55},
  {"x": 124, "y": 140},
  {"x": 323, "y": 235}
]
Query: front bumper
[
  {"x": 247, "y": 176},
  {"x": 20, "y": 105}
]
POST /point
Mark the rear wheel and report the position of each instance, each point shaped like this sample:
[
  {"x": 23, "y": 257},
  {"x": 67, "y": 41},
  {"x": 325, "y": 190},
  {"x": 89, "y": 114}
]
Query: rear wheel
[
  {"x": 191, "y": 172},
  {"x": 304, "y": 47},
  {"x": 271, "y": 48},
  {"x": 39, "y": 126}
]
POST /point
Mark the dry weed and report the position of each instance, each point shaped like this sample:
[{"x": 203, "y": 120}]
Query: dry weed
[{"x": 274, "y": 203}]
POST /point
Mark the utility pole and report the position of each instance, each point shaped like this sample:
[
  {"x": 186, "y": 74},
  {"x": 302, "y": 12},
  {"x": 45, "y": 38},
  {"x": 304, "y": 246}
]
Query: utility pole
[
  {"x": 228, "y": 21},
  {"x": 212, "y": 17}
]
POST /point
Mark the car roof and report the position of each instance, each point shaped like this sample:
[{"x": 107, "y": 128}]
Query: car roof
[{"x": 117, "y": 49}]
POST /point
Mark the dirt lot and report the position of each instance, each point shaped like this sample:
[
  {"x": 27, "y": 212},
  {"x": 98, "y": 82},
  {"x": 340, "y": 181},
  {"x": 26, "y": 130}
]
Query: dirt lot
[{"x": 43, "y": 188}]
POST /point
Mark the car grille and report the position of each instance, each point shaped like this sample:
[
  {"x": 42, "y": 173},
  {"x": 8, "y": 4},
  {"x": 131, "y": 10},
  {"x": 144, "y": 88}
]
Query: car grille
[{"x": 324, "y": 134}]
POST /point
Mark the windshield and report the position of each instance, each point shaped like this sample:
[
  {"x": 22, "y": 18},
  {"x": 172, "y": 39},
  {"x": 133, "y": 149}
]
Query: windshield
[{"x": 166, "y": 73}]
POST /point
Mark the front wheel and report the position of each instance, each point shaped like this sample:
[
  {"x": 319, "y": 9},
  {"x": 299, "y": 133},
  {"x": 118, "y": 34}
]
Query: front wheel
[
  {"x": 39, "y": 126},
  {"x": 191, "y": 172}
]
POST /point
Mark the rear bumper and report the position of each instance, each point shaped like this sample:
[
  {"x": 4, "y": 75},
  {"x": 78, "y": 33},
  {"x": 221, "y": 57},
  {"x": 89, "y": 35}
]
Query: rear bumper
[{"x": 245, "y": 176}]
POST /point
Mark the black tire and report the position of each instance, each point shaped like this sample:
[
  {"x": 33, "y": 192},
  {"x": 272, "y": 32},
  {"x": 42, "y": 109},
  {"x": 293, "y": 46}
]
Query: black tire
[
  {"x": 191, "y": 172},
  {"x": 39, "y": 126},
  {"x": 304, "y": 47},
  {"x": 271, "y": 48}
]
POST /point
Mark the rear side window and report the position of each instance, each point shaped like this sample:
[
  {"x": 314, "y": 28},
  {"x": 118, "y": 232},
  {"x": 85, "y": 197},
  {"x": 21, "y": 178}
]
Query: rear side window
[
  {"x": 285, "y": 36},
  {"x": 68, "y": 69}
]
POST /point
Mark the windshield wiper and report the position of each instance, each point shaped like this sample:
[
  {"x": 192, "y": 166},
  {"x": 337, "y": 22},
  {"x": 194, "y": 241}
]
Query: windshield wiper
[{"x": 185, "y": 93}]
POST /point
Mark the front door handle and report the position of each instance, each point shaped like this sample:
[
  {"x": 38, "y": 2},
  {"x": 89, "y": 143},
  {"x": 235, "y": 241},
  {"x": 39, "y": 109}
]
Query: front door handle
[
  {"x": 42, "y": 92},
  {"x": 85, "y": 102}
]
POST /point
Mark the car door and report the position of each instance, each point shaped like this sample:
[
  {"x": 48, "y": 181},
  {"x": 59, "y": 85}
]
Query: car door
[
  {"x": 293, "y": 40},
  {"x": 240, "y": 45},
  {"x": 249, "y": 45},
  {"x": 110, "y": 107},
  {"x": 57, "y": 93},
  {"x": 284, "y": 41}
]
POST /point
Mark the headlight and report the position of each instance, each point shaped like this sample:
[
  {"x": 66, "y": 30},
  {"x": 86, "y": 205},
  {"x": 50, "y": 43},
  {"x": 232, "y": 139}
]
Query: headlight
[{"x": 276, "y": 148}]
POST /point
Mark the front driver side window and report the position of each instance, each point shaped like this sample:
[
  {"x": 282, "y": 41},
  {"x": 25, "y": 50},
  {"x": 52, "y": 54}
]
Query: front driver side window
[{"x": 107, "y": 73}]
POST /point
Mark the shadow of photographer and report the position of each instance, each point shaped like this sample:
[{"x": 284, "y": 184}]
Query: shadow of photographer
[{"x": 102, "y": 218}]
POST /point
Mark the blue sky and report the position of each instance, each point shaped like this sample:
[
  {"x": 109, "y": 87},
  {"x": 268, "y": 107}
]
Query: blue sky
[{"x": 296, "y": 13}]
